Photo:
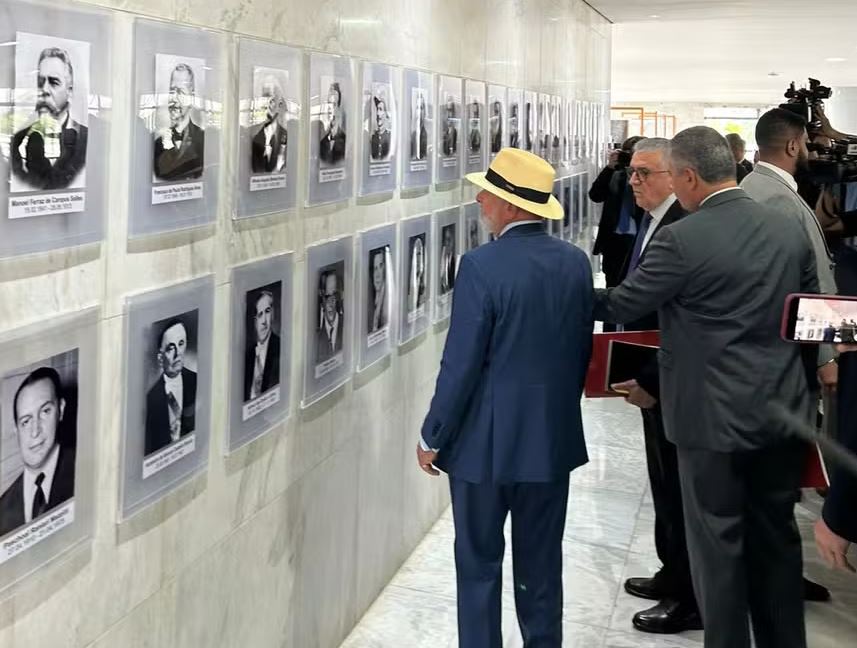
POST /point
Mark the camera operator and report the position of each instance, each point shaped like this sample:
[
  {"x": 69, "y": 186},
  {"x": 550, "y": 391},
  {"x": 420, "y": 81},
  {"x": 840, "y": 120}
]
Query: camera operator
[{"x": 620, "y": 217}]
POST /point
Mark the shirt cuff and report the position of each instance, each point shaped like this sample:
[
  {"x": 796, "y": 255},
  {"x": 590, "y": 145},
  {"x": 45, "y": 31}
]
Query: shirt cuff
[{"x": 425, "y": 447}]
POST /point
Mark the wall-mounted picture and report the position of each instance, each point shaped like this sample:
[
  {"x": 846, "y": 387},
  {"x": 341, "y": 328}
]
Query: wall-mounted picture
[
  {"x": 514, "y": 112},
  {"x": 381, "y": 123},
  {"x": 415, "y": 277},
  {"x": 49, "y": 145},
  {"x": 450, "y": 129},
  {"x": 445, "y": 260},
  {"x": 37, "y": 450},
  {"x": 379, "y": 299},
  {"x": 332, "y": 129},
  {"x": 417, "y": 294},
  {"x": 449, "y": 136},
  {"x": 474, "y": 232},
  {"x": 179, "y": 151},
  {"x": 530, "y": 99},
  {"x": 269, "y": 123},
  {"x": 379, "y": 142},
  {"x": 419, "y": 143},
  {"x": 475, "y": 132},
  {"x": 377, "y": 280},
  {"x": 474, "y": 127},
  {"x": 496, "y": 124},
  {"x": 262, "y": 349},
  {"x": 331, "y": 318}
]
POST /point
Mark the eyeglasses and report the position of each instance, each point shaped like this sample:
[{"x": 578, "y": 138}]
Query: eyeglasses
[{"x": 642, "y": 173}]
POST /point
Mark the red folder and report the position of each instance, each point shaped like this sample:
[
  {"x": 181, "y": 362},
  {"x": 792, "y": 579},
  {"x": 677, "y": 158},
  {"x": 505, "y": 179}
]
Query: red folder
[
  {"x": 814, "y": 471},
  {"x": 599, "y": 366}
]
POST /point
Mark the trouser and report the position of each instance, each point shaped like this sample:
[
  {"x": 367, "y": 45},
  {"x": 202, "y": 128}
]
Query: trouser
[
  {"x": 615, "y": 251},
  {"x": 670, "y": 540},
  {"x": 538, "y": 520},
  {"x": 744, "y": 544}
]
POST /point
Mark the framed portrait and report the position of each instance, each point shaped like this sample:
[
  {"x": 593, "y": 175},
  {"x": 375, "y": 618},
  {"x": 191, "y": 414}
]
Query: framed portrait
[
  {"x": 379, "y": 140},
  {"x": 175, "y": 148},
  {"x": 555, "y": 226},
  {"x": 415, "y": 237},
  {"x": 568, "y": 132},
  {"x": 567, "y": 232},
  {"x": 330, "y": 306},
  {"x": 418, "y": 144},
  {"x": 269, "y": 113},
  {"x": 530, "y": 110},
  {"x": 577, "y": 126},
  {"x": 449, "y": 137},
  {"x": 444, "y": 265},
  {"x": 376, "y": 277},
  {"x": 54, "y": 127},
  {"x": 260, "y": 374},
  {"x": 48, "y": 385},
  {"x": 475, "y": 144},
  {"x": 331, "y": 83},
  {"x": 498, "y": 135},
  {"x": 556, "y": 131},
  {"x": 514, "y": 114},
  {"x": 543, "y": 126},
  {"x": 577, "y": 192},
  {"x": 473, "y": 232},
  {"x": 168, "y": 390}
]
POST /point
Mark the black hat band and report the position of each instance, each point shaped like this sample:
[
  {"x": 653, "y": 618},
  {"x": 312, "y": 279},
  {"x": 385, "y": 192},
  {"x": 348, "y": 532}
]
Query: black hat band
[{"x": 532, "y": 195}]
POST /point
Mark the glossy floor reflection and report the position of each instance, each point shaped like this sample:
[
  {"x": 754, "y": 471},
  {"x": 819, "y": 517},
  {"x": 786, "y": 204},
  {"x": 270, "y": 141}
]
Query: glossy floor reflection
[{"x": 608, "y": 538}]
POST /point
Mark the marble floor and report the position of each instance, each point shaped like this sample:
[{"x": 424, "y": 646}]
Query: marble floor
[{"x": 608, "y": 538}]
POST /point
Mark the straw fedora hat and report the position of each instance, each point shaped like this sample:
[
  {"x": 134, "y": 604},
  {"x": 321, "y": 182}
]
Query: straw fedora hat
[{"x": 522, "y": 179}]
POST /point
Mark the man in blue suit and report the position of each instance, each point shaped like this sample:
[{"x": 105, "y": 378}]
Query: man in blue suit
[{"x": 505, "y": 422}]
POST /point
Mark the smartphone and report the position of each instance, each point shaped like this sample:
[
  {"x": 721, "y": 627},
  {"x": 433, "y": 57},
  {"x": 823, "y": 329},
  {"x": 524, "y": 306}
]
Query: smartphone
[{"x": 820, "y": 319}]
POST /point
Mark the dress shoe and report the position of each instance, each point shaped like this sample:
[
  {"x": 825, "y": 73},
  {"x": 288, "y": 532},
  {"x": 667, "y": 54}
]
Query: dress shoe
[
  {"x": 646, "y": 588},
  {"x": 814, "y": 591},
  {"x": 668, "y": 617}
]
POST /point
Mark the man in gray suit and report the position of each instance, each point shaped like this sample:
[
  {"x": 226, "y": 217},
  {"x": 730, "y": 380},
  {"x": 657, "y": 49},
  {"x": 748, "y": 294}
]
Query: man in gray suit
[{"x": 719, "y": 279}]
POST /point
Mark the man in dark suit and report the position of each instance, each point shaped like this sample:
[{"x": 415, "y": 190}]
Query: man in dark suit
[
  {"x": 676, "y": 610},
  {"x": 505, "y": 420},
  {"x": 180, "y": 151},
  {"x": 48, "y": 476},
  {"x": 331, "y": 146},
  {"x": 270, "y": 144},
  {"x": 419, "y": 134},
  {"x": 329, "y": 334},
  {"x": 474, "y": 138},
  {"x": 738, "y": 147},
  {"x": 447, "y": 259},
  {"x": 171, "y": 401},
  {"x": 51, "y": 152},
  {"x": 496, "y": 127},
  {"x": 450, "y": 132},
  {"x": 719, "y": 279},
  {"x": 262, "y": 355},
  {"x": 514, "y": 126},
  {"x": 379, "y": 143}
]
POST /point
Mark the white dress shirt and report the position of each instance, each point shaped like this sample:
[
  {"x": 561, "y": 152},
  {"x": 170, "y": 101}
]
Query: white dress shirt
[
  {"x": 519, "y": 223},
  {"x": 785, "y": 175},
  {"x": 175, "y": 386},
  {"x": 259, "y": 366},
  {"x": 657, "y": 215},
  {"x": 332, "y": 330},
  {"x": 30, "y": 475},
  {"x": 717, "y": 193}
]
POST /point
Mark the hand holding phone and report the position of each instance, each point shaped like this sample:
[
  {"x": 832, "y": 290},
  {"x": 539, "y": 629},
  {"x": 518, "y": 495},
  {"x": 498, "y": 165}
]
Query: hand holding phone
[{"x": 820, "y": 319}]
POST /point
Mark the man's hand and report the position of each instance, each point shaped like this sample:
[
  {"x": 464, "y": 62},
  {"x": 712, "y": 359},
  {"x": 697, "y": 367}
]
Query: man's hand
[
  {"x": 613, "y": 158},
  {"x": 426, "y": 459},
  {"x": 832, "y": 548},
  {"x": 828, "y": 376},
  {"x": 846, "y": 348},
  {"x": 635, "y": 395}
]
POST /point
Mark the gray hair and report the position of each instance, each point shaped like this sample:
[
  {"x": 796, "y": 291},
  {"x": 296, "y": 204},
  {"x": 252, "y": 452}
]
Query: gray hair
[
  {"x": 652, "y": 144},
  {"x": 705, "y": 151},
  {"x": 184, "y": 67}
]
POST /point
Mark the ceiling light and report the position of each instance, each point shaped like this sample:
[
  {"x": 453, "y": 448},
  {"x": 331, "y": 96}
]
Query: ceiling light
[
  {"x": 773, "y": 74},
  {"x": 654, "y": 16},
  {"x": 835, "y": 59}
]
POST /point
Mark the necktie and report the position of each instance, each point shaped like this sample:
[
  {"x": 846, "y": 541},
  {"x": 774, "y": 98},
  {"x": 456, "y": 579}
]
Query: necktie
[
  {"x": 178, "y": 138},
  {"x": 39, "y": 501},
  {"x": 638, "y": 244},
  {"x": 258, "y": 370},
  {"x": 175, "y": 417}
]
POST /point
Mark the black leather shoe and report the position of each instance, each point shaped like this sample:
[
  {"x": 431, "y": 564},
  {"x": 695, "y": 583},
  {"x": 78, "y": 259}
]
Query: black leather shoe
[
  {"x": 814, "y": 591},
  {"x": 668, "y": 617},
  {"x": 646, "y": 588}
]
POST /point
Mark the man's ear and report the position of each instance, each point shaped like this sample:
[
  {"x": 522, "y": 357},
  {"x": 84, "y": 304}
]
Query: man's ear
[{"x": 62, "y": 408}]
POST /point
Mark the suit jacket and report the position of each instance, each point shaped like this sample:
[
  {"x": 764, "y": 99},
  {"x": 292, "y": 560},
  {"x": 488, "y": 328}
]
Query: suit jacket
[
  {"x": 649, "y": 376},
  {"x": 184, "y": 162},
  {"x": 271, "y": 370},
  {"x": 497, "y": 140},
  {"x": 279, "y": 144},
  {"x": 380, "y": 145},
  {"x": 157, "y": 412},
  {"x": 741, "y": 172},
  {"x": 62, "y": 489},
  {"x": 450, "y": 141},
  {"x": 324, "y": 351},
  {"x": 39, "y": 172},
  {"x": 331, "y": 147},
  {"x": 421, "y": 154},
  {"x": 506, "y": 406},
  {"x": 719, "y": 279},
  {"x": 475, "y": 141},
  {"x": 609, "y": 188},
  {"x": 766, "y": 187}
]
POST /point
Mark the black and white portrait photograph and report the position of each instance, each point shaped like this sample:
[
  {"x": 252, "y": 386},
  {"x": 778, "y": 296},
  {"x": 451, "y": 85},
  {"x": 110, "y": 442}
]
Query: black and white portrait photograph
[
  {"x": 514, "y": 124},
  {"x": 262, "y": 322},
  {"x": 381, "y": 122},
  {"x": 495, "y": 126},
  {"x": 179, "y": 153},
  {"x": 529, "y": 123},
  {"x": 38, "y": 442},
  {"x": 447, "y": 259},
  {"x": 419, "y": 132},
  {"x": 542, "y": 127},
  {"x": 474, "y": 126},
  {"x": 48, "y": 147},
  {"x": 449, "y": 137},
  {"x": 332, "y": 123},
  {"x": 416, "y": 295},
  {"x": 172, "y": 381},
  {"x": 330, "y": 334},
  {"x": 269, "y": 121},
  {"x": 378, "y": 303},
  {"x": 472, "y": 234}
]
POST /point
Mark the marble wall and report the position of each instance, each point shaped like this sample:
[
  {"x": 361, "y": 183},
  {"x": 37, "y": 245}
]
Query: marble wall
[{"x": 289, "y": 540}]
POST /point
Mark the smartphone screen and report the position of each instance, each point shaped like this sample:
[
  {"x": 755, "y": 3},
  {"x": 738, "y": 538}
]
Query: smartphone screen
[{"x": 820, "y": 319}]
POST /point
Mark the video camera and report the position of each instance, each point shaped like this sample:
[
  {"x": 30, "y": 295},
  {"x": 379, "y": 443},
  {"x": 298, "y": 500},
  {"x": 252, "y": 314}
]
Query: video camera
[{"x": 835, "y": 163}]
